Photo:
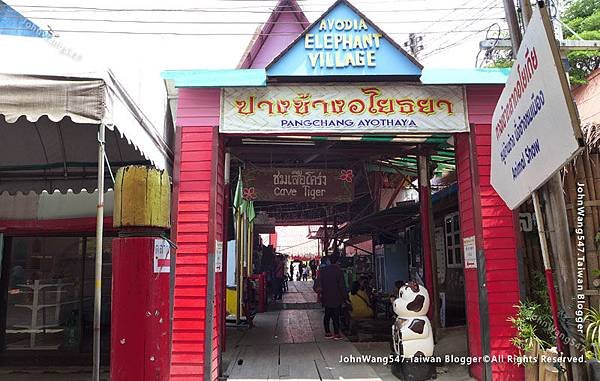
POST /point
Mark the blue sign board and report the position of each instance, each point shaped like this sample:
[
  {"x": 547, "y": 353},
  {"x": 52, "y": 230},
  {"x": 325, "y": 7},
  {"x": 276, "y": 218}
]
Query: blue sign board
[{"x": 343, "y": 42}]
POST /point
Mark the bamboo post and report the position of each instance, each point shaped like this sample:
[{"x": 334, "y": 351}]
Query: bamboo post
[{"x": 547, "y": 266}]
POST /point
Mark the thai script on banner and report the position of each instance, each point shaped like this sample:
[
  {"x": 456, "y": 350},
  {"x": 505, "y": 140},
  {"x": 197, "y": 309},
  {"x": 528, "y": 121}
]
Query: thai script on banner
[
  {"x": 373, "y": 103},
  {"x": 384, "y": 108},
  {"x": 526, "y": 72},
  {"x": 534, "y": 127},
  {"x": 298, "y": 185},
  {"x": 300, "y": 177}
]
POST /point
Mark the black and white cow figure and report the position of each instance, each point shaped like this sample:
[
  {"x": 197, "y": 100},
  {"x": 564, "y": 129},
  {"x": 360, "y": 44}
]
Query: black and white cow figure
[{"x": 412, "y": 334}]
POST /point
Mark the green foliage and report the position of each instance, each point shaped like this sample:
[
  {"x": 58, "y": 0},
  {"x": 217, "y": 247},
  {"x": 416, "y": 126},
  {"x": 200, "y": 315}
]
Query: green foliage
[
  {"x": 533, "y": 320},
  {"x": 583, "y": 16},
  {"x": 534, "y": 327},
  {"x": 580, "y": 9},
  {"x": 501, "y": 63},
  {"x": 592, "y": 332}
]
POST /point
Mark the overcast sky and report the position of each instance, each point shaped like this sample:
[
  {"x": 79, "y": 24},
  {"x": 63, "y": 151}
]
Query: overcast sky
[{"x": 223, "y": 29}]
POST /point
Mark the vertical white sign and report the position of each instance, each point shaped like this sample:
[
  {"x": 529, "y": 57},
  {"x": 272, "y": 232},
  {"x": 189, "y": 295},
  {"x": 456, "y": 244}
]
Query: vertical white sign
[
  {"x": 470, "y": 251},
  {"x": 535, "y": 125},
  {"x": 440, "y": 252},
  {"x": 162, "y": 256},
  {"x": 218, "y": 256}
]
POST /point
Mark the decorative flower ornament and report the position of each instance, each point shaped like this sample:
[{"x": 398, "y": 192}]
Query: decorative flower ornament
[
  {"x": 249, "y": 193},
  {"x": 346, "y": 175}
]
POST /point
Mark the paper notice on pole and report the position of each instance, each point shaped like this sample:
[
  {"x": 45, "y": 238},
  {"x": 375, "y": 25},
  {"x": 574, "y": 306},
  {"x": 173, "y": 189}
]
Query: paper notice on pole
[
  {"x": 162, "y": 256},
  {"x": 218, "y": 256},
  {"x": 470, "y": 251}
]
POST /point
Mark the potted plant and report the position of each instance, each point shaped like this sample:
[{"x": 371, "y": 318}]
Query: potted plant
[
  {"x": 533, "y": 323},
  {"x": 592, "y": 339}
]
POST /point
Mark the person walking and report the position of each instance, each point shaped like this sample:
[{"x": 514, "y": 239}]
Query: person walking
[{"x": 330, "y": 284}]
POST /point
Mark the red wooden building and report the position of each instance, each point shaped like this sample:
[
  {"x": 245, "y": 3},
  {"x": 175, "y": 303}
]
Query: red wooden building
[{"x": 286, "y": 52}]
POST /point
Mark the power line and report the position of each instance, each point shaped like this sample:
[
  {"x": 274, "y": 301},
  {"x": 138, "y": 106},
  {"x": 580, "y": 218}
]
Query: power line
[
  {"x": 90, "y": 31},
  {"x": 44, "y": 8},
  {"x": 232, "y": 22},
  {"x": 446, "y": 44}
]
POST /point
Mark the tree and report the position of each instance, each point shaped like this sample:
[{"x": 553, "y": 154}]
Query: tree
[{"x": 583, "y": 17}]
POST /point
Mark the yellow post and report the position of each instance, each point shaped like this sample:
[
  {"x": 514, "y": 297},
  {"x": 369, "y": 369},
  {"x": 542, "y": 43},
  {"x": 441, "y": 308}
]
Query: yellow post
[
  {"x": 250, "y": 247},
  {"x": 143, "y": 198},
  {"x": 240, "y": 265}
]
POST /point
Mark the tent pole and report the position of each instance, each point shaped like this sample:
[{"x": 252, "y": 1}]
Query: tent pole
[{"x": 98, "y": 265}]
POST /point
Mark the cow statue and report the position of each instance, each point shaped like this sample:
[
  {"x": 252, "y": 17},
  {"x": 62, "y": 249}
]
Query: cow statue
[{"x": 412, "y": 334}]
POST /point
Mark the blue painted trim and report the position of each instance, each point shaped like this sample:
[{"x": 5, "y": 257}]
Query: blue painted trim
[
  {"x": 436, "y": 76},
  {"x": 217, "y": 78},
  {"x": 258, "y": 77}
]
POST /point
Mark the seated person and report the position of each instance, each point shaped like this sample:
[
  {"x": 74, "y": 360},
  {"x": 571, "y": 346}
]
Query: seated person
[{"x": 361, "y": 305}]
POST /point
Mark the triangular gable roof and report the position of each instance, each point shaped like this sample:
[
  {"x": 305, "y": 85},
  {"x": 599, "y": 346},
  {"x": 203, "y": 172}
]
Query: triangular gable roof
[
  {"x": 15, "y": 24},
  {"x": 285, "y": 23},
  {"x": 298, "y": 61}
]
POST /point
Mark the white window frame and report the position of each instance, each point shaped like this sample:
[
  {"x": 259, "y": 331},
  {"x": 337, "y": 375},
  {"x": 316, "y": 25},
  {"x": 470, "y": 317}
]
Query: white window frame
[{"x": 451, "y": 260}]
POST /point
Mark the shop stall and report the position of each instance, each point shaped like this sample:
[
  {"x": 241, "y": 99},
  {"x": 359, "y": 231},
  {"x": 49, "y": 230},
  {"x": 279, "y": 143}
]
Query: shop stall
[{"x": 65, "y": 129}]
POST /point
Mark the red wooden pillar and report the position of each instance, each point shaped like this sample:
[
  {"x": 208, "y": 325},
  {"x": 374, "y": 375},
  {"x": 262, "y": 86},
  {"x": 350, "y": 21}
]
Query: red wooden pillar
[
  {"x": 466, "y": 195},
  {"x": 427, "y": 241},
  {"x": 492, "y": 288},
  {"x": 140, "y": 313},
  {"x": 199, "y": 212},
  {"x": 140, "y": 336}
]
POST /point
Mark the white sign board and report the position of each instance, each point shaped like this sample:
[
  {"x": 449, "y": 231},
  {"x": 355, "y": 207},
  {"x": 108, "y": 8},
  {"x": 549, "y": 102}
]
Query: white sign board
[
  {"x": 440, "y": 252},
  {"x": 470, "y": 251},
  {"x": 162, "y": 256},
  {"x": 535, "y": 126},
  {"x": 218, "y": 256},
  {"x": 344, "y": 109}
]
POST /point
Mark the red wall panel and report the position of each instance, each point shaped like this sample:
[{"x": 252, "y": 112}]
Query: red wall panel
[
  {"x": 484, "y": 215},
  {"x": 198, "y": 223},
  {"x": 465, "y": 202}
]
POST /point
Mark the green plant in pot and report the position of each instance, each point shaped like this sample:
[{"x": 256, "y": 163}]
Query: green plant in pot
[
  {"x": 534, "y": 325},
  {"x": 535, "y": 330},
  {"x": 592, "y": 339}
]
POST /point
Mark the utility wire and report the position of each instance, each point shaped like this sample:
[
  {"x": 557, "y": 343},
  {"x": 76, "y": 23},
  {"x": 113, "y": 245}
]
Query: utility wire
[
  {"x": 232, "y": 22},
  {"x": 446, "y": 44},
  {"x": 170, "y": 33},
  {"x": 42, "y": 8}
]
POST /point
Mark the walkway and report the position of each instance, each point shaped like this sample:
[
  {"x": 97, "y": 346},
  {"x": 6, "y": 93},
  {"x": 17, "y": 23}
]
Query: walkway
[
  {"x": 299, "y": 295},
  {"x": 289, "y": 344}
]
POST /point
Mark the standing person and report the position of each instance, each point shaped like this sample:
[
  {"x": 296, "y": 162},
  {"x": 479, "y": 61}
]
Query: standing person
[
  {"x": 313, "y": 269},
  {"x": 292, "y": 271},
  {"x": 300, "y": 268},
  {"x": 305, "y": 273},
  {"x": 330, "y": 284},
  {"x": 279, "y": 273}
]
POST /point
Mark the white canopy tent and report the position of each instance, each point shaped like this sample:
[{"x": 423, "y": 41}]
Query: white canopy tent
[{"x": 57, "y": 115}]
